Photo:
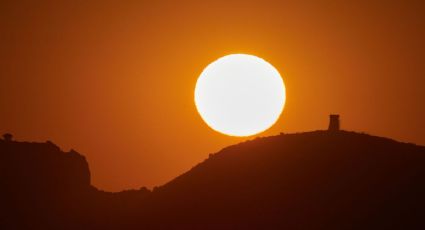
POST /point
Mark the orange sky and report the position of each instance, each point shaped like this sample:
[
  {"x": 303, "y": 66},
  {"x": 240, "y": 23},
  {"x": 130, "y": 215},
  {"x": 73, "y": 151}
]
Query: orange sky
[{"x": 114, "y": 80}]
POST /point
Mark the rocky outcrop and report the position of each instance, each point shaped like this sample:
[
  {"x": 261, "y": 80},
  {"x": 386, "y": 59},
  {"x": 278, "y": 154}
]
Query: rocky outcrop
[
  {"x": 42, "y": 166},
  {"x": 42, "y": 186}
]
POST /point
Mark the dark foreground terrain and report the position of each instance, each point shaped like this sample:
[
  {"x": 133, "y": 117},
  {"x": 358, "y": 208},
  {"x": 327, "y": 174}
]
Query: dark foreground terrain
[{"x": 315, "y": 180}]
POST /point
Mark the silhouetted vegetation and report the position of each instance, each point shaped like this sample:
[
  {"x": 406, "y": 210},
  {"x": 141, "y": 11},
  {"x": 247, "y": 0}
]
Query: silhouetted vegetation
[
  {"x": 315, "y": 180},
  {"x": 7, "y": 137}
]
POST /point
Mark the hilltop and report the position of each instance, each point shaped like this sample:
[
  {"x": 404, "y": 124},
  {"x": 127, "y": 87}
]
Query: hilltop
[{"x": 313, "y": 180}]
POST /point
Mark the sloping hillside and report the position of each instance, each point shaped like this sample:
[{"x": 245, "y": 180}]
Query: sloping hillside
[{"x": 314, "y": 180}]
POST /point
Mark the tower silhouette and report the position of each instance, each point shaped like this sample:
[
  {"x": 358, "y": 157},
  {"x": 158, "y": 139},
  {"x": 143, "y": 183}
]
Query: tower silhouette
[{"x": 333, "y": 122}]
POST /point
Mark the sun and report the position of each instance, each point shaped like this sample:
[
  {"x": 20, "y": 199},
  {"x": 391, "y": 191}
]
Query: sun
[{"x": 240, "y": 95}]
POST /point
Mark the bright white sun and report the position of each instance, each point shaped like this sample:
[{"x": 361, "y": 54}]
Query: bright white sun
[{"x": 240, "y": 95}]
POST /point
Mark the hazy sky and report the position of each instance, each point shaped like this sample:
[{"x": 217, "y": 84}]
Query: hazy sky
[{"x": 114, "y": 80}]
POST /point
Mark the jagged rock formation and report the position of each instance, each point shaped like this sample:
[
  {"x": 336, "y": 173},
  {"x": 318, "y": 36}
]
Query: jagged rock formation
[
  {"x": 315, "y": 180},
  {"x": 40, "y": 184}
]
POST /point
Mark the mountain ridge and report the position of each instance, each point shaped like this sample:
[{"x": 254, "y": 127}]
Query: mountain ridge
[{"x": 311, "y": 180}]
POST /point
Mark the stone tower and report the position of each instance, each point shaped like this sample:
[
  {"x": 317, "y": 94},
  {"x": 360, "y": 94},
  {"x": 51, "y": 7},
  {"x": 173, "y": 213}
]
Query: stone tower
[{"x": 333, "y": 122}]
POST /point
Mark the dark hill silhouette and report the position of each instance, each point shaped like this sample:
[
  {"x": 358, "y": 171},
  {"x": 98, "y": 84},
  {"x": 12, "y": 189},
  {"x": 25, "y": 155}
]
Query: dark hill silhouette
[
  {"x": 45, "y": 188},
  {"x": 314, "y": 180}
]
